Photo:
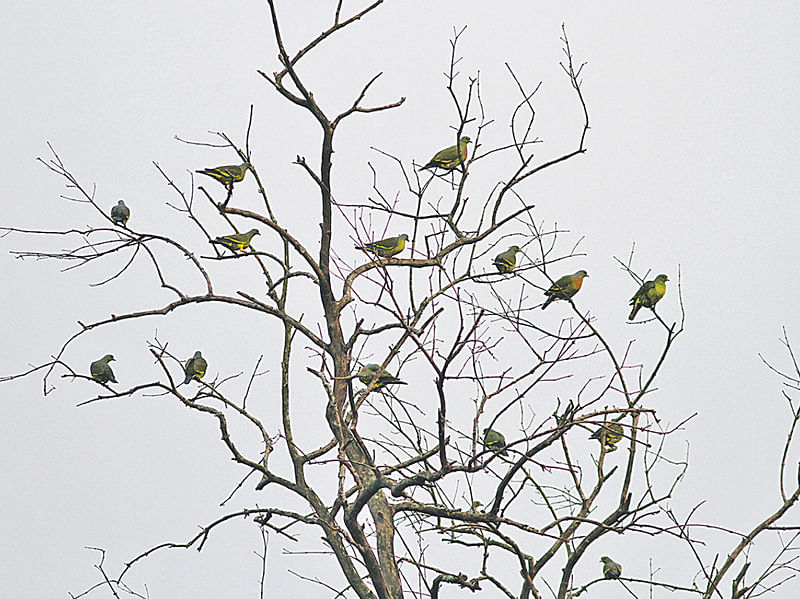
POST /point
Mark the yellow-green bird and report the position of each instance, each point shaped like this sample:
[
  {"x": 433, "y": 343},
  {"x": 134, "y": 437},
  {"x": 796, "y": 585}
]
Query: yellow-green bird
[
  {"x": 507, "y": 261},
  {"x": 238, "y": 241},
  {"x": 648, "y": 295},
  {"x": 495, "y": 441},
  {"x": 101, "y": 371},
  {"x": 565, "y": 287},
  {"x": 120, "y": 213},
  {"x": 611, "y": 569},
  {"x": 367, "y": 373},
  {"x": 450, "y": 158},
  {"x": 228, "y": 174},
  {"x": 386, "y": 248},
  {"x": 195, "y": 367},
  {"x": 609, "y": 435}
]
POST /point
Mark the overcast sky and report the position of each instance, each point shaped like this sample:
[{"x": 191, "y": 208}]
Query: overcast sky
[{"x": 692, "y": 155}]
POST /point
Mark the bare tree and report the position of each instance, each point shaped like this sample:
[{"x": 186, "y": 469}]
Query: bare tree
[{"x": 421, "y": 501}]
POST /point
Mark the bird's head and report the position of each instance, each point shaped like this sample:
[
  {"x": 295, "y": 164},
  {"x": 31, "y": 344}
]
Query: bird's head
[
  {"x": 369, "y": 369},
  {"x": 198, "y": 354},
  {"x": 121, "y": 203},
  {"x": 605, "y": 559},
  {"x": 581, "y": 274},
  {"x": 404, "y": 236},
  {"x": 514, "y": 248},
  {"x": 108, "y": 358},
  {"x": 253, "y": 232},
  {"x": 662, "y": 278},
  {"x": 464, "y": 140}
]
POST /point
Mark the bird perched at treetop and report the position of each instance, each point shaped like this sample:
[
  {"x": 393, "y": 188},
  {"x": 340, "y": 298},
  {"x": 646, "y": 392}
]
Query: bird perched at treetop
[
  {"x": 495, "y": 441},
  {"x": 237, "y": 241},
  {"x": 101, "y": 371},
  {"x": 565, "y": 287},
  {"x": 195, "y": 367},
  {"x": 507, "y": 261},
  {"x": 120, "y": 213},
  {"x": 367, "y": 373},
  {"x": 229, "y": 174},
  {"x": 609, "y": 435},
  {"x": 386, "y": 248},
  {"x": 611, "y": 569},
  {"x": 450, "y": 158},
  {"x": 648, "y": 295}
]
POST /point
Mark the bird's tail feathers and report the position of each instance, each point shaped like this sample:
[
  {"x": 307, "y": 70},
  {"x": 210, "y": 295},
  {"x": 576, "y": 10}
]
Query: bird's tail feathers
[{"x": 635, "y": 311}]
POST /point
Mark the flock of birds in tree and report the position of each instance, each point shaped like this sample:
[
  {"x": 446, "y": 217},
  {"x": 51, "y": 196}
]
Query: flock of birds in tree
[
  {"x": 372, "y": 375},
  {"x": 195, "y": 367}
]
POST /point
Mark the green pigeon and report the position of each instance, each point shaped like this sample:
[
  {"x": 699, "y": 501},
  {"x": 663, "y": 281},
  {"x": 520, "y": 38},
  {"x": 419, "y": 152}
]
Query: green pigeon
[
  {"x": 609, "y": 435},
  {"x": 495, "y": 441},
  {"x": 450, "y": 158},
  {"x": 648, "y": 295},
  {"x": 368, "y": 372},
  {"x": 611, "y": 569},
  {"x": 507, "y": 261},
  {"x": 386, "y": 248},
  {"x": 195, "y": 367},
  {"x": 120, "y": 213},
  {"x": 227, "y": 175},
  {"x": 565, "y": 287},
  {"x": 237, "y": 241},
  {"x": 101, "y": 371}
]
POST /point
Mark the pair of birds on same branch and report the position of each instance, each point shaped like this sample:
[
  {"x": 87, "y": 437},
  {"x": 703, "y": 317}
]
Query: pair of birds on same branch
[
  {"x": 609, "y": 435},
  {"x": 194, "y": 368},
  {"x": 562, "y": 289}
]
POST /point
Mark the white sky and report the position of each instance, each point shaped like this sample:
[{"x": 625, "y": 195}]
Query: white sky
[{"x": 691, "y": 155}]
